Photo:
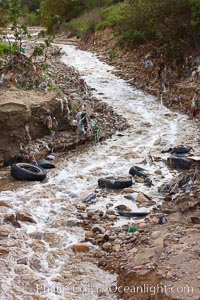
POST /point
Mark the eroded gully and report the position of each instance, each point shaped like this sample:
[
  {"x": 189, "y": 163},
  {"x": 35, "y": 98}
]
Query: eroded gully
[{"x": 41, "y": 264}]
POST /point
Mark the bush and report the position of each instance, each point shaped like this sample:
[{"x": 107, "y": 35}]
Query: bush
[
  {"x": 102, "y": 25},
  {"x": 6, "y": 49},
  {"x": 32, "y": 19}
]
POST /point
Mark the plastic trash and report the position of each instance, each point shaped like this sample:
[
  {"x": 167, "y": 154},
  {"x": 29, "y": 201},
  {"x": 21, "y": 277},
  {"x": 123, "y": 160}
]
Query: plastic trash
[{"x": 132, "y": 229}]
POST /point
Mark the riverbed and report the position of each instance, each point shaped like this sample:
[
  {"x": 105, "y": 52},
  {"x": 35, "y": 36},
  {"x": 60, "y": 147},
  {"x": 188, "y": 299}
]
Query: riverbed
[{"x": 40, "y": 263}]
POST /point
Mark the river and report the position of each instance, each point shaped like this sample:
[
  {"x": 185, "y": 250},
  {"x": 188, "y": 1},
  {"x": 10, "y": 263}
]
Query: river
[{"x": 41, "y": 264}]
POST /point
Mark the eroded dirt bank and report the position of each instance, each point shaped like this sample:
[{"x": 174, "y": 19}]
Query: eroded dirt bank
[{"x": 41, "y": 121}]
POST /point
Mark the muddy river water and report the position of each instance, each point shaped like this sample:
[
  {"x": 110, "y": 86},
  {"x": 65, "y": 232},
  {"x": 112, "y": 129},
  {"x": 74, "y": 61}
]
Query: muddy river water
[{"x": 41, "y": 264}]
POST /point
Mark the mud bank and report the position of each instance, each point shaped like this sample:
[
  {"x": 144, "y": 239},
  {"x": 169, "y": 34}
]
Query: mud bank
[{"x": 34, "y": 123}]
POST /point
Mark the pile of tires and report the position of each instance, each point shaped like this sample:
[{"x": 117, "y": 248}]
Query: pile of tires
[
  {"x": 121, "y": 182},
  {"x": 28, "y": 172}
]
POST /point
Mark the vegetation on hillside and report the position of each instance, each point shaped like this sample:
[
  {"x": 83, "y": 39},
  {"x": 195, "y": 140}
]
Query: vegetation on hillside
[
  {"x": 172, "y": 27},
  {"x": 56, "y": 12}
]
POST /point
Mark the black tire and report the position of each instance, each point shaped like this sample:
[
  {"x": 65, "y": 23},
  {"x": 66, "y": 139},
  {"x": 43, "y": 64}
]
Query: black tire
[
  {"x": 28, "y": 172},
  {"x": 137, "y": 171},
  {"x": 112, "y": 183},
  {"x": 45, "y": 164},
  {"x": 130, "y": 214}
]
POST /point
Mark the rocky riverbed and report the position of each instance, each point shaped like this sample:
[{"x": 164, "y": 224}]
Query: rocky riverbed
[{"x": 64, "y": 238}]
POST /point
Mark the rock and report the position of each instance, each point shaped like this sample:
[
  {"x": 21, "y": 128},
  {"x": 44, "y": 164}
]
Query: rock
[
  {"x": 11, "y": 218},
  {"x": 137, "y": 268},
  {"x": 88, "y": 235},
  {"x": 123, "y": 207},
  {"x": 158, "y": 172},
  {"x": 139, "y": 179},
  {"x": 132, "y": 155},
  {"x": 142, "y": 198},
  {"x": 72, "y": 223},
  {"x": 133, "y": 250},
  {"x": 23, "y": 261},
  {"x": 195, "y": 220},
  {"x": 89, "y": 199},
  {"x": 155, "y": 235},
  {"x": 106, "y": 246},
  {"x": 112, "y": 237},
  {"x": 5, "y": 230},
  {"x": 95, "y": 217},
  {"x": 131, "y": 197},
  {"x": 169, "y": 275},
  {"x": 141, "y": 227},
  {"x": 5, "y": 203},
  {"x": 116, "y": 248},
  {"x": 91, "y": 213},
  {"x": 3, "y": 251},
  {"x": 128, "y": 190},
  {"x": 154, "y": 220},
  {"x": 80, "y": 248},
  {"x": 100, "y": 238},
  {"x": 110, "y": 212},
  {"x": 168, "y": 198},
  {"x": 97, "y": 229},
  {"x": 112, "y": 217},
  {"x": 82, "y": 207},
  {"x": 24, "y": 217},
  {"x": 197, "y": 250}
]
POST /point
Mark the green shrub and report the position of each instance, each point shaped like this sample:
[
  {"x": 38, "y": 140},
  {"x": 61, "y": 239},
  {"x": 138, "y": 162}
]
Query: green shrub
[
  {"x": 6, "y": 49},
  {"x": 32, "y": 19},
  {"x": 102, "y": 25},
  {"x": 137, "y": 37}
]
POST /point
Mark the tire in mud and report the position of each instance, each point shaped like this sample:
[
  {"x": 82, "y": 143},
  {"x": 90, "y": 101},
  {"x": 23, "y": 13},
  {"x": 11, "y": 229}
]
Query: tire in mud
[
  {"x": 45, "y": 164},
  {"x": 137, "y": 171},
  {"x": 28, "y": 172},
  {"x": 112, "y": 183}
]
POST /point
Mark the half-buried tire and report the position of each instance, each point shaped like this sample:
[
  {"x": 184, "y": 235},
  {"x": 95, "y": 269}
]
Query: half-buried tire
[
  {"x": 28, "y": 172},
  {"x": 114, "y": 183},
  {"x": 137, "y": 171},
  {"x": 45, "y": 164}
]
